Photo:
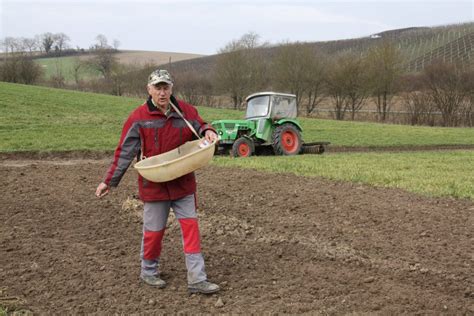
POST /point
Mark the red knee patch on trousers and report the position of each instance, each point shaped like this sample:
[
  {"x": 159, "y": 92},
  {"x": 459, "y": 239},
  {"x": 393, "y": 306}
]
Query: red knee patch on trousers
[
  {"x": 190, "y": 231},
  {"x": 152, "y": 244}
]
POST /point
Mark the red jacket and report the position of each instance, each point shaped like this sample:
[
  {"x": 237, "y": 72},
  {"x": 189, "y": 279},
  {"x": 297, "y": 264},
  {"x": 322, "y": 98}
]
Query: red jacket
[{"x": 150, "y": 131}]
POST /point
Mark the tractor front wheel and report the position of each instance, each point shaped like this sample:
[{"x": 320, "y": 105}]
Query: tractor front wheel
[
  {"x": 243, "y": 147},
  {"x": 286, "y": 140}
]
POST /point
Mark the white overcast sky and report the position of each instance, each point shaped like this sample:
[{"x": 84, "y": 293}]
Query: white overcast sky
[{"x": 204, "y": 26}]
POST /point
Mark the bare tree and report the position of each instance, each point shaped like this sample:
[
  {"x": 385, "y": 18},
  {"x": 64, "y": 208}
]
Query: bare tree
[
  {"x": 384, "y": 70},
  {"x": 20, "y": 45},
  {"x": 231, "y": 76},
  {"x": 299, "y": 70},
  {"x": 445, "y": 85},
  {"x": 116, "y": 44},
  {"x": 30, "y": 43},
  {"x": 316, "y": 81},
  {"x": 419, "y": 107},
  {"x": 118, "y": 78},
  {"x": 355, "y": 83},
  {"x": 135, "y": 78},
  {"x": 103, "y": 61},
  {"x": 61, "y": 41},
  {"x": 193, "y": 87},
  {"x": 240, "y": 68},
  {"x": 468, "y": 111},
  {"x": 47, "y": 41},
  {"x": 77, "y": 66},
  {"x": 336, "y": 89},
  {"x": 289, "y": 69},
  {"x": 11, "y": 45},
  {"x": 346, "y": 84},
  {"x": 39, "y": 42},
  {"x": 101, "y": 42}
]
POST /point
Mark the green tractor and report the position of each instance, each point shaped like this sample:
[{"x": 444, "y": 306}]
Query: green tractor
[{"x": 270, "y": 126}]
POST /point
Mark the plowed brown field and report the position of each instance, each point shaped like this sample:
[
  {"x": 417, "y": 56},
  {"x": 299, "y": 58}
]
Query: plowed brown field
[{"x": 275, "y": 243}]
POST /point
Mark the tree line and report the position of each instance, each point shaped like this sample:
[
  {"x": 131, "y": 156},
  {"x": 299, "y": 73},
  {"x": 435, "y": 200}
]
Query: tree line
[
  {"x": 50, "y": 44},
  {"x": 441, "y": 94},
  {"x": 18, "y": 65},
  {"x": 42, "y": 43},
  {"x": 342, "y": 84}
]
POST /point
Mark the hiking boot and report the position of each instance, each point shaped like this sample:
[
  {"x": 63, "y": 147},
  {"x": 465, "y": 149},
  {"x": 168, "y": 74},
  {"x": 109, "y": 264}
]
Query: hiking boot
[
  {"x": 153, "y": 280},
  {"x": 204, "y": 287}
]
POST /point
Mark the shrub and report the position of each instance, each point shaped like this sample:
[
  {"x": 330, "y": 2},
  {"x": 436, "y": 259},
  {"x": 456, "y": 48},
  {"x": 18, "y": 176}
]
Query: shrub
[{"x": 20, "y": 69}]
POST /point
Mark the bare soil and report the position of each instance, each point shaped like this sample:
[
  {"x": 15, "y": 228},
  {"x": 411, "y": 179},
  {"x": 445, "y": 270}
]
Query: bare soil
[{"x": 276, "y": 243}]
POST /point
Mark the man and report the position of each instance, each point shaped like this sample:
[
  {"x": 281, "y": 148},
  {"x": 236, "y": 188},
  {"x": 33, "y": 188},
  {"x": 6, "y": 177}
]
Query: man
[{"x": 151, "y": 129}]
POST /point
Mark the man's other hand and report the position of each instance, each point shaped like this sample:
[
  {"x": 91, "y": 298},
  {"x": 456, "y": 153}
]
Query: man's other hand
[{"x": 102, "y": 190}]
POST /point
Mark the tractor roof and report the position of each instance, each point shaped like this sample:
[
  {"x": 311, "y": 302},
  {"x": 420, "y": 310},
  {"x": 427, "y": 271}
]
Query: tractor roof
[{"x": 269, "y": 93}]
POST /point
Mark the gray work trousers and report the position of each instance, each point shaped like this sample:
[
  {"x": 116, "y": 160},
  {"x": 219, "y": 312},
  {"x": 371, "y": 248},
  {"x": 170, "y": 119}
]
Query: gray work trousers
[{"x": 155, "y": 216}]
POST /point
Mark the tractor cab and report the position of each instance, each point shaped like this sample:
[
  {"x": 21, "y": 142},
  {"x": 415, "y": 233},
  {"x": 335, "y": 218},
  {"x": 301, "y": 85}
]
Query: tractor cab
[
  {"x": 271, "y": 105},
  {"x": 268, "y": 110}
]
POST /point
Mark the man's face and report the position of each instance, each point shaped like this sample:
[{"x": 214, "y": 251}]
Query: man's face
[{"x": 160, "y": 93}]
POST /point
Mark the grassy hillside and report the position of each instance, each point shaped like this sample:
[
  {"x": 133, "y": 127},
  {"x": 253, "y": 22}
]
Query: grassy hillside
[
  {"x": 45, "y": 119},
  {"x": 64, "y": 66}
]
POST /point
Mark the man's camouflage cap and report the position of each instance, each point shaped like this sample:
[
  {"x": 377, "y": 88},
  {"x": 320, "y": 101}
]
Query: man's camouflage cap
[{"x": 160, "y": 75}]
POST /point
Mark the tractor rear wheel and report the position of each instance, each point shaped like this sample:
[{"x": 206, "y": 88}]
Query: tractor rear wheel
[
  {"x": 243, "y": 147},
  {"x": 286, "y": 140}
]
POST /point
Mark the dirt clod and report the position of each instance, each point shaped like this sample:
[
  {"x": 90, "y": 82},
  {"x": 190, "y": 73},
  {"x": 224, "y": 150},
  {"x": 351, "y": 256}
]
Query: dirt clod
[{"x": 219, "y": 303}]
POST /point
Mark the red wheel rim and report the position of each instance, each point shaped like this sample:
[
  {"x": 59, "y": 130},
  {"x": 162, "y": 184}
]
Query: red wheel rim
[
  {"x": 289, "y": 141},
  {"x": 244, "y": 150}
]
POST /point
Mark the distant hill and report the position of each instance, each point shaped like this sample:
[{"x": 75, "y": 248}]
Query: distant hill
[
  {"x": 142, "y": 57},
  {"x": 419, "y": 46},
  {"x": 53, "y": 66}
]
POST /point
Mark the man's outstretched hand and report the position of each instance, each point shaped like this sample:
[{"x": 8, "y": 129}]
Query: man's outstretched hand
[{"x": 102, "y": 190}]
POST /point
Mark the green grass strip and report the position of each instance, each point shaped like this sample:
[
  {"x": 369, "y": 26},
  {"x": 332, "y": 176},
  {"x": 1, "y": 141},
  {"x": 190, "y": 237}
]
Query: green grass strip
[
  {"x": 36, "y": 118},
  {"x": 355, "y": 134},
  {"x": 429, "y": 173}
]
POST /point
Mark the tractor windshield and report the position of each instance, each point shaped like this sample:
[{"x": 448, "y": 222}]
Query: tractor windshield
[
  {"x": 258, "y": 106},
  {"x": 284, "y": 107}
]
